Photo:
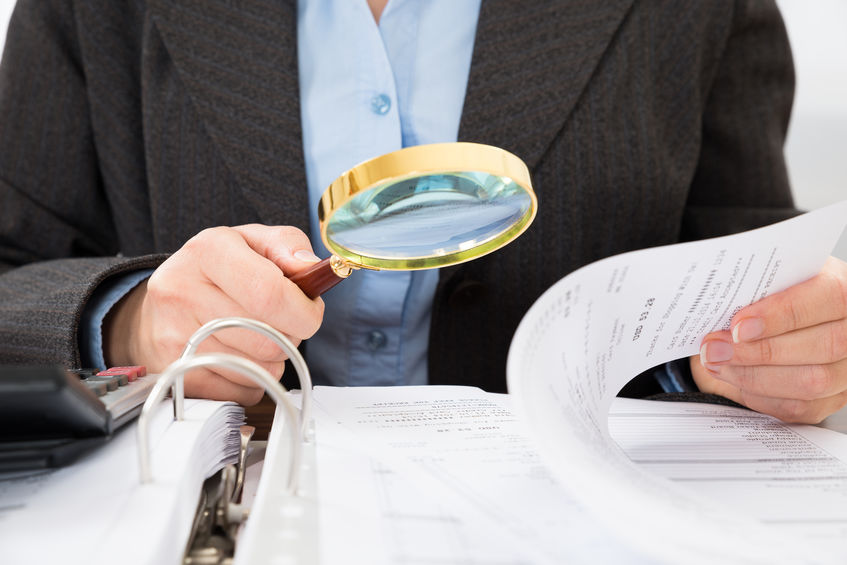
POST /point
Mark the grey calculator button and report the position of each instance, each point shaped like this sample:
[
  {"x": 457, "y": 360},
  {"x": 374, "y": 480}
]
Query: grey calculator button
[
  {"x": 97, "y": 387},
  {"x": 111, "y": 383}
]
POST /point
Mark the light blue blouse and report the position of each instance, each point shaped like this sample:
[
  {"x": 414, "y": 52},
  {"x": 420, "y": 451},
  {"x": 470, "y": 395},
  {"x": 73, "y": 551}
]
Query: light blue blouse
[{"x": 365, "y": 90}]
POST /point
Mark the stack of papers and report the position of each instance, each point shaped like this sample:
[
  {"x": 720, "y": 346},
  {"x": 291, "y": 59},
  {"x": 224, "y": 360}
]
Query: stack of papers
[{"x": 434, "y": 475}]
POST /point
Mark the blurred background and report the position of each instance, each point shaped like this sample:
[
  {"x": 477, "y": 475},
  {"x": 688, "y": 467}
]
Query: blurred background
[
  {"x": 816, "y": 149},
  {"x": 817, "y": 139}
]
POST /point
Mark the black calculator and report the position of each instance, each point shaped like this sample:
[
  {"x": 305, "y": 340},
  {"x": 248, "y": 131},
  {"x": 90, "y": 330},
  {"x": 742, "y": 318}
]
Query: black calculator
[{"x": 49, "y": 416}]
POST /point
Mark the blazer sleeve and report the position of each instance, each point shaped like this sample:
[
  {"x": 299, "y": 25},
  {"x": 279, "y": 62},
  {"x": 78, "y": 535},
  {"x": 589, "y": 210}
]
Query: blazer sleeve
[
  {"x": 741, "y": 180},
  {"x": 56, "y": 230}
]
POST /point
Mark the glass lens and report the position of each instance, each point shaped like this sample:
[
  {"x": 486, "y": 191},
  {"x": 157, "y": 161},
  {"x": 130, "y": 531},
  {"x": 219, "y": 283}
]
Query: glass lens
[{"x": 428, "y": 216}]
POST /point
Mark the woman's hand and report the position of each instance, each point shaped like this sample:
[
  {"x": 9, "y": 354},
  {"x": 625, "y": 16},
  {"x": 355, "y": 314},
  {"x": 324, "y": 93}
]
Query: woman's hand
[
  {"x": 240, "y": 271},
  {"x": 785, "y": 355}
]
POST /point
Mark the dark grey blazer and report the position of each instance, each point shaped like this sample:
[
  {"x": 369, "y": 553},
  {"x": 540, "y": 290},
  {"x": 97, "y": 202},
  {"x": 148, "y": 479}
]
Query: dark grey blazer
[{"x": 127, "y": 126}]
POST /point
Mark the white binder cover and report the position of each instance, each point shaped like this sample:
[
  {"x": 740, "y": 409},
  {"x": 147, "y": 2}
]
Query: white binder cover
[{"x": 96, "y": 511}]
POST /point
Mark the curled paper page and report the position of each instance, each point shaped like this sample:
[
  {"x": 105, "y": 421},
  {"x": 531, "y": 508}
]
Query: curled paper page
[{"x": 598, "y": 327}]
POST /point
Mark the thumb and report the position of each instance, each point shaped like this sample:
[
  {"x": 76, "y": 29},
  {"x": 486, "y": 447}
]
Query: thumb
[{"x": 286, "y": 246}]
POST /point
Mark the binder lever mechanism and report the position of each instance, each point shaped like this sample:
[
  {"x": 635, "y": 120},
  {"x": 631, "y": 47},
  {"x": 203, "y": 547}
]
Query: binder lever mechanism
[{"x": 219, "y": 512}]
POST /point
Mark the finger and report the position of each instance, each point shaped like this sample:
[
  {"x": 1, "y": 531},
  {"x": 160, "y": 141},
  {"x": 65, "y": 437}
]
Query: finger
[
  {"x": 716, "y": 350},
  {"x": 802, "y": 382},
  {"x": 822, "y": 298},
  {"x": 786, "y": 409},
  {"x": 244, "y": 342},
  {"x": 823, "y": 343},
  {"x": 253, "y": 345},
  {"x": 212, "y": 345},
  {"x": 795, "y": 411},
  {"x": 255, "y": 283},
  {"x": 286, "y": 246},
  {"x": 204, "y": 383},
  {"x": 176, "y": 325},
  {"x": 180, "y": 316},
  {"x": 167, "y": 320},
  {"x": 708, "y": 382},
  {"x": 244, "y": 347}
]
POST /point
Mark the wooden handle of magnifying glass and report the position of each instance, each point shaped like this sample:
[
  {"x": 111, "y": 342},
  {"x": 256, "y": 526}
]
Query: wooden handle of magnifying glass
[{"x": 320, "y": 277}]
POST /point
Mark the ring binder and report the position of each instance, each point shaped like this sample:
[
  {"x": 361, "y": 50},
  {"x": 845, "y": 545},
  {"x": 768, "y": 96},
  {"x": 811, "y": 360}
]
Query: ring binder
[
  {"x": 297, "y": 498},
  {"x": 173, "y": 376},
  {"x": 274, "y": 335},
  {"x": 249, "y": 369}
]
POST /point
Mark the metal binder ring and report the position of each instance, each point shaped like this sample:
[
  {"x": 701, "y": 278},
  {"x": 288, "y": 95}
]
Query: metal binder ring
[
  {"x": 254, "y": 371},
  {"x": 274, "y": 335}
]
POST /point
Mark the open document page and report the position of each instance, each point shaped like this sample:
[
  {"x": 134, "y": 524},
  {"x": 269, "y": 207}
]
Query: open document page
[
  {"x": 603, "y": 324},
  {"x": 442, "y": 475},
  {"x": 439, "y": 475},
  {"x": 791, "y": 478}
]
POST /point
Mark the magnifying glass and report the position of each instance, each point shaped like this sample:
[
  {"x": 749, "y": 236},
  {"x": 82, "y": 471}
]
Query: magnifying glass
[{"x": 418, "y": 208}]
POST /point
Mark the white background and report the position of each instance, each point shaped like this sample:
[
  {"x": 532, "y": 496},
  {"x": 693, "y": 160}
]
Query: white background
[
  {"x": 817, "y": 140},
  {"x": 817, "y": 137}
]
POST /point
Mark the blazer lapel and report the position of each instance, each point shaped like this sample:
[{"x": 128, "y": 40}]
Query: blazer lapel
[
  {"x": 238, "y": 61},
  {"x": 530, "y": 64}
]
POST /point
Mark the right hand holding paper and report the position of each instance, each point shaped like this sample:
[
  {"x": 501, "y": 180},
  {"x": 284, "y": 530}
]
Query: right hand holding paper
[{"x": 785, "y": 355}]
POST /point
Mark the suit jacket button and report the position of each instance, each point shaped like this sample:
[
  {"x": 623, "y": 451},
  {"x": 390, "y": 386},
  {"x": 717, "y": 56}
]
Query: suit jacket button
[{"x": 466, "y": 292}]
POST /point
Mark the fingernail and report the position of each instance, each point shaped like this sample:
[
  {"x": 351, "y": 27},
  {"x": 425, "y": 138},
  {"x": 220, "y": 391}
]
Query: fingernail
[
  {"x": 748, "y": 329},
  {"x": 306, "y": 256},
  {"x": 715, "y": 351}
]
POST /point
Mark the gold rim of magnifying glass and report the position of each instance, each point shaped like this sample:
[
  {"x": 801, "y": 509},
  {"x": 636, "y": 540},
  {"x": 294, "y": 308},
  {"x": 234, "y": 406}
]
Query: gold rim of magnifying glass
[{"x": 438, "y": 158}]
